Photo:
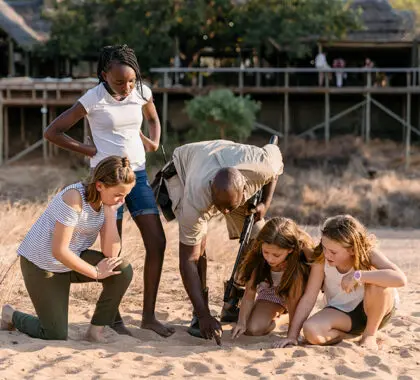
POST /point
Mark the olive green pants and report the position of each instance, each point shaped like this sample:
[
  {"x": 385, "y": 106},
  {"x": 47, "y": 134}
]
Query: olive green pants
[{"x": 49, "y": 292}]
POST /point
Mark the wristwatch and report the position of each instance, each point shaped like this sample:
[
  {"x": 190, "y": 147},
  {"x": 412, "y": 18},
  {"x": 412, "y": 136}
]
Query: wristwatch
[{"x": 357, "y": 275}]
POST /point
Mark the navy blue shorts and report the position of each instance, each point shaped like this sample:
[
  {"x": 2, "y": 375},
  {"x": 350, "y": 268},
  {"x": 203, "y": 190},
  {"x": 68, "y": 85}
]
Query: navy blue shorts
[{"x": 140, "y": 200}]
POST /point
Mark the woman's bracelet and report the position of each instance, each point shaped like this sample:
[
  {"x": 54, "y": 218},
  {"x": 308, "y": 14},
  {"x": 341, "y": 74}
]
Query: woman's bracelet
[{"x": 97, "y": 273}]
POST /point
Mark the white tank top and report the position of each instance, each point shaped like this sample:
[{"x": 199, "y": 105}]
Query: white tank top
[{"x": 335, "y": 296}]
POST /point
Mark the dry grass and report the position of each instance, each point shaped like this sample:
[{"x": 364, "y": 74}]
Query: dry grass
[
  {"x": 317, "y": 183},
  {"x": 309, "y": 196}
]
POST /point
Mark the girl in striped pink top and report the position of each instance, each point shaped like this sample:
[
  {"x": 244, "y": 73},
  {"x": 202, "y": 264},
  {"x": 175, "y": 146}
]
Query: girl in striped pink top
[{"x": 275, "y": 272}]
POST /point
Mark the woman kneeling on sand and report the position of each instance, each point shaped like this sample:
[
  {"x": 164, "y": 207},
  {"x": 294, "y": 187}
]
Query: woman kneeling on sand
[{"x": 55, "y": 253}]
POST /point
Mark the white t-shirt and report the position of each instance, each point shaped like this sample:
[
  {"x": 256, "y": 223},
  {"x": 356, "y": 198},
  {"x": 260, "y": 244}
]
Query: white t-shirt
[{"x": 116, "y": 125}]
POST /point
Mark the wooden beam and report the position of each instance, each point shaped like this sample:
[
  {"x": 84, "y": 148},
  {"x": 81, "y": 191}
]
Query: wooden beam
[
  {"x": 327, "y": 133},
  {"x": 1, "y": 129},
  {"x": 27, "y": 65},
  {"x": 408, "y": 133},
  {"x": 22, "y": 124},
  {"x": 6, "y": 133},
  {"x": 12, "y": 71},
  {"x": 286, "y": 113},
  {"x": 44, "y": 112},
  {"x": 368, "y": 108}
]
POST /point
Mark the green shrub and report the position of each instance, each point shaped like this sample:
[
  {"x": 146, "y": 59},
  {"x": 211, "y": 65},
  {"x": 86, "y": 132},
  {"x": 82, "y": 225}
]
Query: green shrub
[{"x": 222, "y": 115}]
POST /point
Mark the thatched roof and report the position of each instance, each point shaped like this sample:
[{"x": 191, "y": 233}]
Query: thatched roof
[
  {"x": 21, "y": 21},
  {"x": 382, "y": 23}
]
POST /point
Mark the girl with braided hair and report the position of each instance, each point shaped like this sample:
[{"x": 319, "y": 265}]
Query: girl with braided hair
[{"x": 115, "y": 110}]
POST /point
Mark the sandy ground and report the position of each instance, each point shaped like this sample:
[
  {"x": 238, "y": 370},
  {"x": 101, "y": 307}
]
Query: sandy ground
[{"x": 146, "y": 355}]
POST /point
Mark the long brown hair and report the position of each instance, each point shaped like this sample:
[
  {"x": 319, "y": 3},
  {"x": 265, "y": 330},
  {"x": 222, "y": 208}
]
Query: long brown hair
[
  {"x": 350, "y": 233},
  {"x": 111, "y": 171},
  {"x": 284, "y": 233}
]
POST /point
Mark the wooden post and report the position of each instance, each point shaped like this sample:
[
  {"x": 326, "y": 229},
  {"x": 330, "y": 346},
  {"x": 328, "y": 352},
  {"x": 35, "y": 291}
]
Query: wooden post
[
  {"x": 241, "y": 81},
  {"x": 22, "y": 125},
  {"x": 44, "y": 112},
  {"x": 50, "y": 144},
  {"x": 286, "y": 111},
  {"x": 6, "y": 133},
  {"x": 1, "y": 128},
  {"x": 165, "y": 108},
  {"x": 27, "y": 67},
  {"x": 327, "y": 107},
  {"x": 368, "y": 105},
  {"x": 12, "y": 71},
  {"x": 53, "y": 116},
  {"x": 408, "y": 132}
]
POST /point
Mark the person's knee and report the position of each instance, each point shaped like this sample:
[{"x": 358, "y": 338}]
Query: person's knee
[
  {"x": 377, "y": 295},
  {"x": 313, "y": 331},
  {"x": 257, "y": 328},
  {"x": 126, "y": 272},
  {"x": 126, "y": 275}
]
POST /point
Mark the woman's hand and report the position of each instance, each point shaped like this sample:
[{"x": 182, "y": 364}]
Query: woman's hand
[
  {"x": 149, "y": 144},
  {"x": 105, "y": 268},
  {"x": 238, "y": 330},
  {"x": 282, "y": 343},
  {"x": 113, "y": 208},
  {"x": 90, "y": 147}
]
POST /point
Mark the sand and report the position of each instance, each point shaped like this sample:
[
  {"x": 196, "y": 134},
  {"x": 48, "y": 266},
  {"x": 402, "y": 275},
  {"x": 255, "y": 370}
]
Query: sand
[{"x": 146, "y": 355}]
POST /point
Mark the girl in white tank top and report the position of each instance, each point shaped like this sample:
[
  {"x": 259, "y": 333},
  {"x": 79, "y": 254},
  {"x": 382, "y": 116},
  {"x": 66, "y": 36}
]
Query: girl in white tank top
[{"x": 358, "y": 283}]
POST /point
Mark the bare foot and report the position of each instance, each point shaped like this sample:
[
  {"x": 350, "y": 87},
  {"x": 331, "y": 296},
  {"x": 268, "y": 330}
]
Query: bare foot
[
  {"x": 369, "y": 342},
  {"x": 95, "y": 334},
  {"x": 158, "y": 328},
  {"x": 7, "y": 318}
]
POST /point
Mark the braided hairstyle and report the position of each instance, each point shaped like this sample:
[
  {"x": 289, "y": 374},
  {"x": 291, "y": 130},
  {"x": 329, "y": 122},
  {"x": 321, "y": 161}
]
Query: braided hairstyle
[{"x": 123, "y": 55}]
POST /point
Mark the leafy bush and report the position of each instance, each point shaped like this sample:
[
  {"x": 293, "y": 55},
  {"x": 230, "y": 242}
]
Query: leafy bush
[{"x": 222, "y": 115}]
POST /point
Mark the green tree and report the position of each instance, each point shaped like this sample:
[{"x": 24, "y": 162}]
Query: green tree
[
  {"x": 154, "y": 27},
  {"x": 292, "y": 24},
  {"x": 221, "y": 114}
]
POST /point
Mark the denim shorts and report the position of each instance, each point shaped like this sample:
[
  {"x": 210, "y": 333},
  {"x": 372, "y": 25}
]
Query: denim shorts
[{"x": 140, "y": 200}]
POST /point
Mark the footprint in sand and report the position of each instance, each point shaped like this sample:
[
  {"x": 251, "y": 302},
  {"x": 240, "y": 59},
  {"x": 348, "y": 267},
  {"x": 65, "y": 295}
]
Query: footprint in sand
[
  {"x": 299, "y": 354},
  {"x": 284, "y": 367},
  {"x": 405, "y": 353},
  {"x": 166, "y": 371},
  {"x": 196, "y": 368},
  {"x": 343, "y": 370},
  {"x": 253, "y": 372},
  {"x": 375, "y": 361}
]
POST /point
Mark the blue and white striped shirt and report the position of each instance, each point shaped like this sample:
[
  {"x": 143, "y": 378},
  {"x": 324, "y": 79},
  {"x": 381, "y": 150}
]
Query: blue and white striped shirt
[{"x": 37, "y": 244}]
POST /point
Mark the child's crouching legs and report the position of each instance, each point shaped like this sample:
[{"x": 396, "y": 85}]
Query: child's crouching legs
[
  {"x": 377, "y": 303},
  {"x": 329, "y": 326}
]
